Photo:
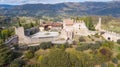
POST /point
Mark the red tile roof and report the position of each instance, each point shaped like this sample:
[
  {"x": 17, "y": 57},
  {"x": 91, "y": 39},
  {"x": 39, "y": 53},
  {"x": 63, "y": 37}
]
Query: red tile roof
[{"x": 55, "y": 24}]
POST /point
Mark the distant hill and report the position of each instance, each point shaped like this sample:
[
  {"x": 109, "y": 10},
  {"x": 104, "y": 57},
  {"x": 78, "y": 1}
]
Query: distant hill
[
  {"x": 6, "y": 6},
  {"x": 62, "y": 9}
]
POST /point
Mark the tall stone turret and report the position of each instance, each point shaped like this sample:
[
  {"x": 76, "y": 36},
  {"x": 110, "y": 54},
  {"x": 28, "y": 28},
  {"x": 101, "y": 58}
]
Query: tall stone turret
[
  {"x": 19, "y": 32},
  {"x": 98, "y": 26},
  {"x": 21, "y": 36}
]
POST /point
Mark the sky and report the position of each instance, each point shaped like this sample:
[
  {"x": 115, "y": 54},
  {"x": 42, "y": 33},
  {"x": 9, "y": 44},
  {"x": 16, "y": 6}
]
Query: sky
[{"x": 17, "y": 2}]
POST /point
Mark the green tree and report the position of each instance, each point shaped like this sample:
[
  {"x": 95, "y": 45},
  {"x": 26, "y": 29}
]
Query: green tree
[
  {"x": 5, "y": 55},
  {"x": 109, "y": 44},
  {"x": 57, "y": 58},
  {"x": 106, "y": 54},
  {"x": 45, "y": 45},
  {"x": 29, "y": 54},
  {"x": 31, "y": 24},
  {"x": 17, "y": 63},
  {"x": 4, "y": 33},
  {"x": 89, "y": 23}
]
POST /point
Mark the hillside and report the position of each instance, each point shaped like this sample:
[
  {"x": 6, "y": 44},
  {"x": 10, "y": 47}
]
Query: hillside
[{"x": 62, "y": 9}]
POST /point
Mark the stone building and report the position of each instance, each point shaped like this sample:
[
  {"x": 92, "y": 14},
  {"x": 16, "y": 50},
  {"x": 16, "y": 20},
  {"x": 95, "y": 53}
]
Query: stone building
[{"x": 71, "y": 28}]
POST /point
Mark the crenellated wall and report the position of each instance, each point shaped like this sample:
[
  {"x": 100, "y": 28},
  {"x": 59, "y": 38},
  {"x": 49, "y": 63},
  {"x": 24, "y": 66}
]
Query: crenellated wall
[
  {"x": 108, "y": 35},
  {"x": 112, "y": 36}
]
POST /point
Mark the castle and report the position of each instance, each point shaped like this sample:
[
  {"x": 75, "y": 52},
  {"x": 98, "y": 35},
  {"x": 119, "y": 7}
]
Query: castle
[{"x": 67, "y": 32}]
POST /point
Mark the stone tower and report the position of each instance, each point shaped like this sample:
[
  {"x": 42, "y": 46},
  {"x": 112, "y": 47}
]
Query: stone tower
[
  {"x": 19, "y": 32},
  {"x": 98, "y": 26},
  {"x": 21, "y": 36}
]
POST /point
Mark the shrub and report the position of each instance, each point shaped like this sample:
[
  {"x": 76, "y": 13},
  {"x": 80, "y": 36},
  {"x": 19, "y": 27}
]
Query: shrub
[
  {"x": 86, "y": 46},
  {"x": 109, "y": 44},
  {"x": 118, "y": 65},
  {"x": 32, "y": 65},
  {"x": 63, "y": 46},
  {"x": 17, "y": 63},
  {"x": 16, "y": 54},
  {"x": 92, "y": 39},
  {"x": 29, "y": 55},
  {"x": 89, "y": 36},
  {"x": 96, "y": 35},
  {"x": 95, "y": 46},
  {"x": 104, "y": 65},
  {"x": 106, "y": 54},
  {"x": 74, "y": 42},
  {"x": 40, "y": 58},
  {"x": 118, "y": 41},
  {"x": 81, "y": 39},
  {"x": 104, "y": 51},
  {"x": 118, "y": 56},
  {"x": 115, "y": 60},
  {"x": 110, "y": 65},
  {"x": 33, "y": 48},
  {"x": 45, "y": 45}
]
